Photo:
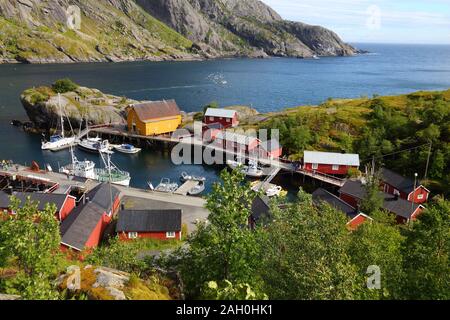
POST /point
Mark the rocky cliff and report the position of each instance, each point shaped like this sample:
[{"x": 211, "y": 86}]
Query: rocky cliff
[
  {"x": 36, "y": 31},
  {"x": 42, "y": 106}
]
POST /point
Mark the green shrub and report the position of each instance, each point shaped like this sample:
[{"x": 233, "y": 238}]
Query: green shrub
[{"x": 64, "y": 85}]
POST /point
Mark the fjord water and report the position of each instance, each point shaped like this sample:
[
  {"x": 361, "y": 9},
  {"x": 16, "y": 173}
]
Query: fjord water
[{"x": 267, "y": 85}]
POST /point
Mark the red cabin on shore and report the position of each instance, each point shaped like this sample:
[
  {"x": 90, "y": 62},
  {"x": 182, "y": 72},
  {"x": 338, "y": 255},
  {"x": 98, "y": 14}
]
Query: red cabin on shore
[
  {"x": 227, "y": 118},
  {"x": 355, "y": 218},
  {"x": 237, "y": 142},
  {"x": 270, "y": 149},
  {"x": 330, "y": 163},
  {"x": 405, "y": 188},
  {"x": 154, "y": 224},
  {"x": 64, "y": 203},
  {"x": 353, "y": 192},
  {"x": 84, "y": 227}
]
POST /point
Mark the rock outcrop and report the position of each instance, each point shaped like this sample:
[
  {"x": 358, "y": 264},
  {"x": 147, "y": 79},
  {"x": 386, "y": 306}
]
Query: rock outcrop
[
  {"x": 102, "y": 283},
  {"x": 42, "y": 107},
  {"x": 35, "y": 31}
]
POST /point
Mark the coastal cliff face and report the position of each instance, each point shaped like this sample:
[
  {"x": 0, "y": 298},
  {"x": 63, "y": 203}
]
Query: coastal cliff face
[{"x": 35, "y": 31}]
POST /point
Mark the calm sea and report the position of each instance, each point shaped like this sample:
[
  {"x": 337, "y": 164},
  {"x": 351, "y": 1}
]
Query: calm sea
[{"x": 266, "y": 85}]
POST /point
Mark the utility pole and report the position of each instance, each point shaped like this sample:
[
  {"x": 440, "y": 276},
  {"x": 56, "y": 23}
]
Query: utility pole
[
  {"x": 428, "y": 160},
  {"x": 414, "y": 190}
]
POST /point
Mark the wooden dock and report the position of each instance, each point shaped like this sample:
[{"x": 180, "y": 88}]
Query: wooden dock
[{"x": 186, "y": 187}]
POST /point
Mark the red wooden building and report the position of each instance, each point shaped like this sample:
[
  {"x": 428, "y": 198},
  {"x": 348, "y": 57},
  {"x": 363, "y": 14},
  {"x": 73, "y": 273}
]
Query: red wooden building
[
  {"x": 353, "y": 192},
  {"x": 211, "y": 131},
  {"x": 270, "y": 149},
  {"x": 64, "y": 203},
  {"x": 405, "y": 188},
  {"x": 155, "y": 224},
  {"x": 237, "y": 142},
  {"x": 355, "y": 218},
  {"x": 84, "y": 227},
  {"x": 329, "y": 162},
  {"x": 227, "y": 118}
]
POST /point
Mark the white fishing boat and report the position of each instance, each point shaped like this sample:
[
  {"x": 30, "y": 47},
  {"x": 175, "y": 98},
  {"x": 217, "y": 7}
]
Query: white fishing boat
[
  {"x": 86, "y": 169},
  {"x": 111, "y": 172},
  {"x": 83, "y": 169},
  {"x": 164, "y": 186},
  {"x": 127, "y": 148},
  {"x": 199, "y": 188},
  {"x": 187, "y": 177},
  {"x": 59, "y": 142}
]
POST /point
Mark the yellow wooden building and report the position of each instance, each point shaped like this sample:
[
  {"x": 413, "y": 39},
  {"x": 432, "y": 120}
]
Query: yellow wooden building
[{"x": 154, "y": 118}]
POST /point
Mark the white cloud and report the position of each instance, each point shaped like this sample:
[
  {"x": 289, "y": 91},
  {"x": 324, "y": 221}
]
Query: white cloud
[{"x": 400, "y": 21}]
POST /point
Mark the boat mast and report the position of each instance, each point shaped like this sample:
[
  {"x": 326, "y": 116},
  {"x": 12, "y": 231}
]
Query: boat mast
[{"x": 61, "y": 114}]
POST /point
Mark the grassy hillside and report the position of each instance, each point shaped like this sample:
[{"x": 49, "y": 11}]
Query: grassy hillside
[{"x": 107, "y": 33}]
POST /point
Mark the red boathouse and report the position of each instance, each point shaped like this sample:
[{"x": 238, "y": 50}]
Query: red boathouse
[
  {"x": 330, "y": 163},
  {"x": 84, "y": 227},
  {"x": 405, "y": 188},
  {"x": 227, "y": 118}
]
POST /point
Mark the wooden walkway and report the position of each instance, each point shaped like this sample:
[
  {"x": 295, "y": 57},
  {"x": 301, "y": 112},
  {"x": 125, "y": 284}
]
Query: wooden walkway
[{"x": 186, "y": 187}]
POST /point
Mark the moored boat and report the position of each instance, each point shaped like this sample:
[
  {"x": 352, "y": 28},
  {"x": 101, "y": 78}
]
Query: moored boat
[
  {"x": 199, "y": 188},
  {"x": 59, "y": 142},
  {"x": 127, "y": 148},
  {"x": 164, "y": 186},
  {"x": 187, "y": 177},
  {"x": 94, "y": 145}
]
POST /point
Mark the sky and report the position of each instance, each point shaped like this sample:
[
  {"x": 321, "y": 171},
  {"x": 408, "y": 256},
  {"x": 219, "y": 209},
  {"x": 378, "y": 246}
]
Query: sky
[{"x": 378, "y": 21}]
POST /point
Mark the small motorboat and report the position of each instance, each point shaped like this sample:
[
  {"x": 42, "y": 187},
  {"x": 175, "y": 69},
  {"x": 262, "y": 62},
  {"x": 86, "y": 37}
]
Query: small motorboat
[
  {"x": 199, "y": 188},
  {"x": 165, "y": 186},
  {"x": 269, "y": 190},
  {"x": 188, "y": 177},
  {"x": 127, "y": 148},
  {"x": 95, "y": 145},
  {"x": 252, "y": 170}
]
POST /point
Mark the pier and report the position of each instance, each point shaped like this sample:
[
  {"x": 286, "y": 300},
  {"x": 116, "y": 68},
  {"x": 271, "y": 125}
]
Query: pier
[{"x": 186, "y": 187}]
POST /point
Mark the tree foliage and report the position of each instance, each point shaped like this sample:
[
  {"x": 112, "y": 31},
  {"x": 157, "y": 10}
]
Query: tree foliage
[
  {"x": 64, "y": 85},
  {"x": 224, "y": 248},
  {"x": 31, "y": 239}
]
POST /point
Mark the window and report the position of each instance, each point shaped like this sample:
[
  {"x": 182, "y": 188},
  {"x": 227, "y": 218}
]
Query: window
[
  {"x": 211, "y": 118},
  {"x": 396, "y": 192},
  {"x": 335, "y": 167},
  {"x": 420, "y": 197},
  {"x": 315, "y": 166},
  {"x": 132, "y": 235},
  {"x": 228, "y": 120},
  {"x": 170, "y": 234}
]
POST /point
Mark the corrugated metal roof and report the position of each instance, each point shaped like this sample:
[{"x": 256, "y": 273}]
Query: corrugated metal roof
[
  {"x": 399, "y": 182},
  {"x": 331, "y": 158},
  {"x": 399, "y": 206},
  {"x": 236, "y": 137},
  {"x": 149, "y": 220},
  {"x": 41, "y": 198},
  {"x": 321, "y": 195},
  {"x": 151, "y": 110},
  {"x": 224, "y": 113}
]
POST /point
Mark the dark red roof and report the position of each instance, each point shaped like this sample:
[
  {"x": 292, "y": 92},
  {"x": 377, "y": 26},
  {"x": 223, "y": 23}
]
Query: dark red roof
[{"x": 156, "y": 109}]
